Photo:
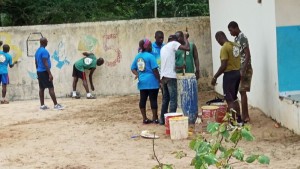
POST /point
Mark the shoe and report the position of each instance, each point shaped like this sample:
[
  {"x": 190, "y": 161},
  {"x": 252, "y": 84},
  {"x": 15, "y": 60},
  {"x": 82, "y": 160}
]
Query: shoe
[
  {"x": 147, "y": 121},
  {"x": 76, "y": 97},
  {"x": 156, "y": 121},
  {"x": 91, "y": 97},
  {"x": 44, "y": 107},
  {"x": 162, "y": 122},
  {"x": 4, "y": 102},
  {"x": 58, "y": 107}
]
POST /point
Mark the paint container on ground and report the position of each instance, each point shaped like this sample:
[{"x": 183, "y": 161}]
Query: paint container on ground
[
  {"x": 187, "y": 96},
  {"x": 168, "y": 116},
  {"x": 221, "y": 112},
  {"x": 208, "y": 115},
  {"x": 179, "y": 127}
]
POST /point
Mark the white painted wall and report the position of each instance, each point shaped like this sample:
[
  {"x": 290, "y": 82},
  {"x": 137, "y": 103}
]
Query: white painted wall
[
  {"x": 287, "y": 12},
  {"x": 258, "y": 23}
]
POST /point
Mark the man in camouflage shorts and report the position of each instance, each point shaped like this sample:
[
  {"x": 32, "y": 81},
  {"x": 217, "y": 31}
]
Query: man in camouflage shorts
[{"x": 246, "y": 68}]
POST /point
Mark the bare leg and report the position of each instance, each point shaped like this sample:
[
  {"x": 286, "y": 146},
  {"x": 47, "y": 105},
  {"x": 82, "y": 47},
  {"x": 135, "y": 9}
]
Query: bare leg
[
  {"x": 3, "y": 91},
  {"x": 85, "y": 85},
  {"x": 41, "y": 94},
  {"x": 52, "y": 94},
  {"x": 75, "y": 80},
  {"x": 244, "y": 101}
]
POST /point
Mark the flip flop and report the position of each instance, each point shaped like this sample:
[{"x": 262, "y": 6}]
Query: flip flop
[
  {"x": 147, "y": 121},
  {"x": 148, "y": 134},
  {"x": 4, "y": 102}
]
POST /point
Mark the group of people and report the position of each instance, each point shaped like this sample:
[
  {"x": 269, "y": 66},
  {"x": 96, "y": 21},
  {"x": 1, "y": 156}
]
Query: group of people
[
  {"x": 156, "y": 65},
  {"x": 45, "y": 77},
  {"x": 237, "y": 69}
]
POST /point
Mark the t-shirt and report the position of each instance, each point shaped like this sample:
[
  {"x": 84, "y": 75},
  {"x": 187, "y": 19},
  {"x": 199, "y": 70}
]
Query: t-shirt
[
  {"x": 167, "y": 54},
  {"x": 230, "y": 52},
  {"x": 156, "y": 52},
  {"x": 39, "y": 55},
  {"x": 87, "y": 62},
  {"x": 5, "y": 60},
  {"x": 189, "y": 60},
  {"x": 144, "y": 63},
  {"x": 242, "y": 42}
]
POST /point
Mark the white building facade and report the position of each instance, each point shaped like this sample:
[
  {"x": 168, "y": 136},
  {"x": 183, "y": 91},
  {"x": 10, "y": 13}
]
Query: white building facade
[{"x": 273, "y": 31}]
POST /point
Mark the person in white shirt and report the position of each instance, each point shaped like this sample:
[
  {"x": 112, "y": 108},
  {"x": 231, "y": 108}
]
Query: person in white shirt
[{"x": 168, "y": 72}]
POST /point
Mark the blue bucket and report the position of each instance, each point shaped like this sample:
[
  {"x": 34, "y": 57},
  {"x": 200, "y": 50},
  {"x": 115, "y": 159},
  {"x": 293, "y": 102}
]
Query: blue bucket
[{"x": 187, "y": 90}]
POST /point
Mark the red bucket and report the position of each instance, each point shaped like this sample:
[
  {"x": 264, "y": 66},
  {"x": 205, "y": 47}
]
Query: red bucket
[
  {"x": 221, "y": 112},
  {"x": 208, "y": 114},
  {"x": 167, "y": 117}
]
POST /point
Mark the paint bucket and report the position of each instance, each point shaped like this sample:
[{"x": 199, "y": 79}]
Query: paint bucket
[
  {"x": 208, "y": 115},
  {"x": 167, "y": 117},
  {"x": 179, "y": 128},
  {"x": 221, "y": 112},
  {"x": 187, "y": 96}
]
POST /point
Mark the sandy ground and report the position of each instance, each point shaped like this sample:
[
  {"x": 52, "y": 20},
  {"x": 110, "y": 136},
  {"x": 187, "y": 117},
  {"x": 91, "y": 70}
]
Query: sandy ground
[{"x": 96, "y": 134}]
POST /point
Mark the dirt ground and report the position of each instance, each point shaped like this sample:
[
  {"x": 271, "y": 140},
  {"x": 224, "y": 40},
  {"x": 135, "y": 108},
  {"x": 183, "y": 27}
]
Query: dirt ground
[{"x": 97, "y": 134}]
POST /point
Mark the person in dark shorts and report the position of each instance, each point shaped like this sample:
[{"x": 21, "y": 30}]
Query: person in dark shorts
[
  {"x": 45, "y": 78},
  {"x": 230, "y": 66},
  {"x": 89, "y": 62}
]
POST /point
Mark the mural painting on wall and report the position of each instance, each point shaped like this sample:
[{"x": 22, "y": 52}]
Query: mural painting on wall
[
  {"x": 15, "y": 51},
  {"x": 32, "y": 75},
  {"x": 33, "y": 43},
  {"x": 59, "y": 56},
  {"x": 112, "y": 54}
]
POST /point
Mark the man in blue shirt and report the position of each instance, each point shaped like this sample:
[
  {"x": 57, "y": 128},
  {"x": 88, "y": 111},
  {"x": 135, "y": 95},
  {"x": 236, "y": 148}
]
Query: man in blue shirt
[
  {"x": 45, "y": 78},
  {"x": 5, "y": 60},
  {"x": 157, "y": 45}
]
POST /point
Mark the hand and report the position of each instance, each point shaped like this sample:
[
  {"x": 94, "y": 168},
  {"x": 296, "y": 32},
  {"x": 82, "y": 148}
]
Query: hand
[
  {"x": 50, "y": 77},
  {"x": 92, "y": 87},
  {"x": 213, "y": 82},
  {"x": 197, "y": 74},
  {"x": 136, "y": 77}
]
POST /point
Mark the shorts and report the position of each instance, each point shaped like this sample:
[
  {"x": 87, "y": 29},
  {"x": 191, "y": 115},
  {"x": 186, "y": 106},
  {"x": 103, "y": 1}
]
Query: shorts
[
  {"x": 4, "y": 79},
  {"x": 78, "y": 73},
  {"x": 245, "y": 83},
  {"x": 231, "y": 82},
  {"x": 44, "y": 82}
]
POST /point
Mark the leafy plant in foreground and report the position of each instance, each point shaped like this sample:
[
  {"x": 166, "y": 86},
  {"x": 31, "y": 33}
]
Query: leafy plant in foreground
[{"x": 223, "y": 146}]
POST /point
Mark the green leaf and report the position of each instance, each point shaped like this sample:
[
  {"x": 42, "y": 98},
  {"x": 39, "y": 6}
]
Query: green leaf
[
  {"x": 228, "y": 153},
  {"x": 193, "y": 162},
  {"x": 179, "y": 154},
  {"x": 251, "y": 158},
  {"x": 262, "y": 159},
  {"x": 204, "y": 148},
  {"x": 222, "y": 149},
  {"x": 247, "y": 135},
  {"x": 238, "y": 154},
  {"x": 192, "y": 144},
  {"x": 216, "y": 147},
  {"x": 235, "y": 136},
  {"x": 213, "y": 127},
  {"x": 222, "y": 128},
  {"x": 226, "y": 134},
  {"x": 210, "y": 159},
  {"x": 167, "y": 166}
]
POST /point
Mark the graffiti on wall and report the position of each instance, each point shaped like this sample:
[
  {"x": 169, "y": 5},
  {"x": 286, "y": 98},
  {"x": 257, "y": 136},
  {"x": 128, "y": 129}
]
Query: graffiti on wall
[
  {"x": 15, "y": 51},
  {"x": 33, "y": 43},
  {"x": 32, "y": 75},
  {"x": 111, "y": 53},
  {"x": 59, "y": 56}
]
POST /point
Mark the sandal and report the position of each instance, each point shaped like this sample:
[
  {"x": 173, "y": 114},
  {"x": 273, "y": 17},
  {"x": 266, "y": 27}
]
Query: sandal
[
  {"x": 147, "y": 121},
  {"x": 156, "y": 121},
  {"x": 4, "y": 102}
]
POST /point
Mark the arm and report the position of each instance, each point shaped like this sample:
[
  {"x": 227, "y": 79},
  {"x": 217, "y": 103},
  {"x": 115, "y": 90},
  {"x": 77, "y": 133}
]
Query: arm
[
  {"x": 196, "y": 62},
  {"x": 86, "y": 54},
  {"x": 45, "y": 62},
  {"x": 91, "y": 78},
  {"x": 246, "y": 62},
  {"x": 219, "y": 72},
  {"x": 156, "y": 74},
  {"x": 134, "y": 71}
]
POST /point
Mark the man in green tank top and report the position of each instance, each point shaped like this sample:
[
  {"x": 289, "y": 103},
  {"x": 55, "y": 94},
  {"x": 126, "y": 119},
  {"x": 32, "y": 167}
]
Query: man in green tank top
[{"x": 191, "y": 60}]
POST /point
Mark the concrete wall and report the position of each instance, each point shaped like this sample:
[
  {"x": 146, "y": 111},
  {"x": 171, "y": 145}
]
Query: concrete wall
[
  {"x": 115, "y": 41},
  {"x": 258, "y": 21}
]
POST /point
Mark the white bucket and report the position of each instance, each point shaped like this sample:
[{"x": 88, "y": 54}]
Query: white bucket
[
  {"x": 169, "y": 116},
  {"x": 179, "y": 127}
]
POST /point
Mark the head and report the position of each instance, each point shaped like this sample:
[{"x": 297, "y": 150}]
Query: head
[
  {"x": 172, "y": 38},
  {"x": 6, "y": 48},
  {"x": 159, "y": 37},
  {"x": 180, "y": 37},
  {"x": 43, "y": 41},
  {"x": 233, "y": 28},
  {"x": 145, "y": 45},
  {"x": 221, "y": 37},
  {"x": 100, "y": 61}
]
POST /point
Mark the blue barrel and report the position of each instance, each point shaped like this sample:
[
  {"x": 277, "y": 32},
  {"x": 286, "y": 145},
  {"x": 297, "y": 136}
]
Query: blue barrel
[{"x": 187, "y": 96}]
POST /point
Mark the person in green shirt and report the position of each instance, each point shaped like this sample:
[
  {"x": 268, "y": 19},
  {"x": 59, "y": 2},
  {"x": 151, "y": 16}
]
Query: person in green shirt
[
  {"x": 191, "y": 61},
  {"x": 89, "y": 62},
  {"x": 230, "y": 66}
]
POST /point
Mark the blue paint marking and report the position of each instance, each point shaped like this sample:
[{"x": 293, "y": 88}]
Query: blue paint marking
[
  {"x": 288, "y": 58},
  {"x": 32, "y": 75},
  {"x": 58, "y": 54}
]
